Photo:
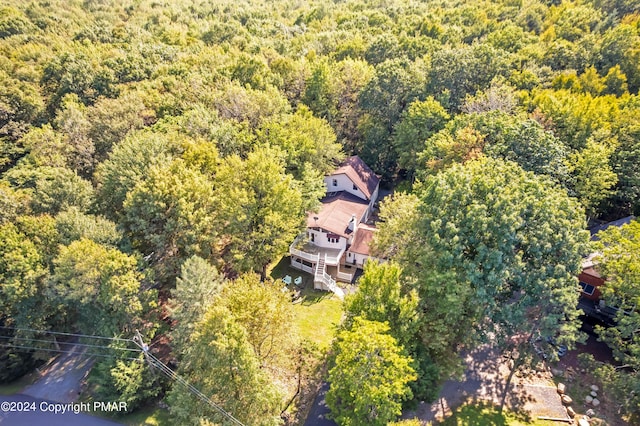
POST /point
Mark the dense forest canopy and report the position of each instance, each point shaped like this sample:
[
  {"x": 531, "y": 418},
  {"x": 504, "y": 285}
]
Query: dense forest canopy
[{"x": 145, "y": 144}]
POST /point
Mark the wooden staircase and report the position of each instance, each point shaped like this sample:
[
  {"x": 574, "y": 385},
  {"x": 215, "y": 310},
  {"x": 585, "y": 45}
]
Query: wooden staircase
[{"x": 320, "y": 276}]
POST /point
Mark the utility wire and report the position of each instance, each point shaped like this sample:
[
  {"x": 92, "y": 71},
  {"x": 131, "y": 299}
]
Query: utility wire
[
  {"x": 67, "y": 352},
  {"x": 86, "y": 345},
  {"x": 66, "y": 334},
  {"x": 155, "y": 362},
  {"x": 151, "y": 359}
]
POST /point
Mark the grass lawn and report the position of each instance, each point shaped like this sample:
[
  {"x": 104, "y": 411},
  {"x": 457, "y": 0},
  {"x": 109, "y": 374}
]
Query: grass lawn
[
  {"x": 17, "y": 385},
  {"x": 471, "y": 415},
  {"x": 146, "y": 417},
  {"x": 317, "y": 313}
]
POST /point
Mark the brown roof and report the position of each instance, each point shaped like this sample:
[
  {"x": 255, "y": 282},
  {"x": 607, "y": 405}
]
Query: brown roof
[
  {"x": 361, "y": 241},
  {"x": 360, "y": 174},
  {"x": 336, "y": 212}
]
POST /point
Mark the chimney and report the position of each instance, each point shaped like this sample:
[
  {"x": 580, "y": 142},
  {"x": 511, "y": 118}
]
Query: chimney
[{"x": 352, "y": 223}]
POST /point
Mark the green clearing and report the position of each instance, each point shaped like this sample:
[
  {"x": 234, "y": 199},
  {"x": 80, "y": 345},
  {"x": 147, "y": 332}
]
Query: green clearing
[
  {"x": 482, "y": 415},
  {"x": 17, "y": 385},
  {"x": 317, "y": 313},
  {"x": 146, "y": 417}
]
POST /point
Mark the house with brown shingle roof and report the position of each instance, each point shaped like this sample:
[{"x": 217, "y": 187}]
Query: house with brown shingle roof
[{"x": 336, "y": 241}]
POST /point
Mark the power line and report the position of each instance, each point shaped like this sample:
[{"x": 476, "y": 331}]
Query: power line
[
  {"x": 85, "y": 345},
  {"x": 137, "y": 340},
  {"x": 67, "y": 352},
  {"x": 155, "y": 362},
  {"x": 66, "y": 334}
]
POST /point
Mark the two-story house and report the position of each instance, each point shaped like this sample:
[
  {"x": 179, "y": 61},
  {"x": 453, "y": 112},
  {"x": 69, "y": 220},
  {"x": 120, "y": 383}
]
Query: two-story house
[{"x": 336, "y": 240}]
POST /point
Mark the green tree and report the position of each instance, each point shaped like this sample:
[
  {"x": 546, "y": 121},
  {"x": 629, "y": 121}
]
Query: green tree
[
  {"x": 128, "y": 164},
  {"x": 370, "y": 377},
  {"x": 72, "y": 225},
  {"x": 626, "y": 158},
  {"x": 261, "y": 206},
  {"x": 305, "y": 140},
  {"x": 418, "y": 123},
  {"x": 222, "y": 364},
  {"x": 490, "y": 248},
  {"x": 12, "y": 203},
  {"x": 506, "y": 232},
  {"x": 382, "y": 297},
  {"x": 593, "y": 176},
  {"x": 60, "y": 190},
  {"x": 465, "y": 70},
  {"x": 25, "y": 250},
  {"x": 196, "y": 288},
  {"x": 122, "y": 379},
  {"x": 620, "y": 265},
  {"x": 100, "y": 288},
  {"x": 170, "y": 216},
  {"x": 265, "y": 313}
]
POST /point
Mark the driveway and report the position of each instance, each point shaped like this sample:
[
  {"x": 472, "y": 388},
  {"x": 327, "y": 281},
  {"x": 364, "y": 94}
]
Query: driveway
[
  {"x": 60, "y": 381},
  {"x": 57, "y": 388},
  {"x": 319, "y": 411},
  {"x": 483, "y": 381}
]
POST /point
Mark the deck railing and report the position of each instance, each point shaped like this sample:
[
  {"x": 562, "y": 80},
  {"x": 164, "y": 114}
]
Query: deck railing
[{"x": 343, "y": 276}]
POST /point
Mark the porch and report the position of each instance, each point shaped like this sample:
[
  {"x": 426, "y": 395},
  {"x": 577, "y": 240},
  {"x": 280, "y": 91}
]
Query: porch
[
  {"x": 306, "y": 250},
  {"x": 341, "y": 274}
]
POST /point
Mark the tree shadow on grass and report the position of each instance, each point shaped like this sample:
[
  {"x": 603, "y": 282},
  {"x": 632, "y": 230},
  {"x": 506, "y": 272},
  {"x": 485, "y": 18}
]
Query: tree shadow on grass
[{"x": 482, "y": 385}]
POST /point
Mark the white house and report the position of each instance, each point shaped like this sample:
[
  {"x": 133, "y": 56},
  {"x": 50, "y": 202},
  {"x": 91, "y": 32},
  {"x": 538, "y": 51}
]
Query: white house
[{"x": 336, "y": 241}]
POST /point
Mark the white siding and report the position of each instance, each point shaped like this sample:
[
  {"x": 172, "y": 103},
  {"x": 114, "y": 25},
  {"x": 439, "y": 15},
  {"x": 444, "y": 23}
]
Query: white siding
[
  {"x": 342, "y": 183},
  {"x": 320, "y": 239},
  {"x": 360, "y": 259}
]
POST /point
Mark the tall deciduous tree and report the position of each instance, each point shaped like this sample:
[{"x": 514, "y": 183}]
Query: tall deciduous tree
[
  {"x": 305, "y": 140},
  {"x": 127, "y": 165},
  {"x": 418, "y": 123},
  {"x": 100, "y": 288},
  {"x": 265, "y": 313},
  {"x": 492, "y": 248},
  {"x": 514, "y": 237},
  {"x": 382, "y": 297},
  {"x": 261, "y": 206},
  {"x": 593, "y": 177},
  {"x": 170, "y": 216},
  {"x": 370, "y": 378}
]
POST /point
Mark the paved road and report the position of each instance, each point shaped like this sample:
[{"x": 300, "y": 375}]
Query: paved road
[
  {"x": 319, "y": 411},
  {"x": 40, "y": 413},
  {"x": 57, "y": 388}
]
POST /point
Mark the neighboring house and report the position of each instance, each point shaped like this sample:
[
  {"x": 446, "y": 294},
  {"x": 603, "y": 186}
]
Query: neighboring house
[
  {"x": 336, "y": 241},
  {"x": 591, "y": 281}
]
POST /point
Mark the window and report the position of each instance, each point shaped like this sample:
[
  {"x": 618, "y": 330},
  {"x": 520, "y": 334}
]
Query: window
[
  {"x": 335, "y": 182},
  {"x": 355, "y": 188},
  {"x": 587, "y": 288}
]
